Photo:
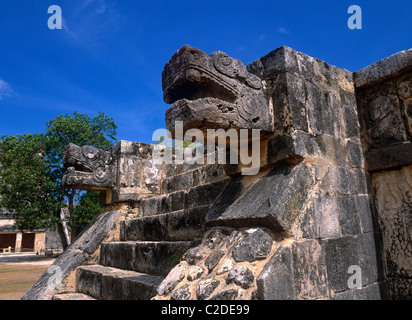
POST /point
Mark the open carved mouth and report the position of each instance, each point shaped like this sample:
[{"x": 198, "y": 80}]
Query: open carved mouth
[
  {"x": 212, "y": 91},
  {"x": 74, "y": 165},
  {"x": 88, "y": 168},
  {"x": 194, "y": 83}
]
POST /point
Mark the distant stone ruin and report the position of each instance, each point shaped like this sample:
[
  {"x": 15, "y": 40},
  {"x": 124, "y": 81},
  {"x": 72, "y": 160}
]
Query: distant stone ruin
[{"x": 328, "y": 215}]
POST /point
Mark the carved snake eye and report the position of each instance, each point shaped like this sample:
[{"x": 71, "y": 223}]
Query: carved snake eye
[
  {"x": 225, "y": 60},
  {"x": 254, "y": 82},
  {"x": 89, "y": 152},
  {"x": 107, "y": 158},
  {"x": 233, "y": 68},
  {"x": 224, "y": 64},
  {"x": 100, "y": 173}
]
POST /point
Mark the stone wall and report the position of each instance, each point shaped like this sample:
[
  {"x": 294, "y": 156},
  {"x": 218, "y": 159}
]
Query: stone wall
[
  {"x": 384, "y": 93},
  {"x": 308, "y": 209}
]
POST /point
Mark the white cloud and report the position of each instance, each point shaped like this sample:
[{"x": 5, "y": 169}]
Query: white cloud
[
  {"x": 283, "y": 30},
  {"x": 5, "y": 89},
  {"x": 101, "y": 9},
  {"x": 67, "y": 30},
  {"x": 98, "y": 20}
]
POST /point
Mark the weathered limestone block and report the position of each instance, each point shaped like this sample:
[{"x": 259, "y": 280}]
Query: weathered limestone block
[
  {"x": 105, "y": 283},
  {"x": 173, "y": 279},
  {"x": 194, "y": 273},
  {"x": 384, "y": 97},
  {"x": 383, "y": 115},
  {"x": 315, "y": 111},
  {"x": 256, "y": 245},
  {"x": 206, "y": 287},
  {"x": 138, "y": 174},
  {"x": 274, "y": 201},
  {"x": 229, "y": 294},
  {"x": 155, "y": 258},
  {"x": 275, "y": 282},
  {"x": 384, "y": 69},
  {"x": 213, "y": 259},
  {"x": 178, "y": 225},
  {"x": 90, "y": 282},
  {"x": 340, "y": 255},
  {"x": 242, "y": 276},
  {"x": 305, "y": 86},
  {"x": 182, "y": 294},
  {"x": 309, "y": 270}
]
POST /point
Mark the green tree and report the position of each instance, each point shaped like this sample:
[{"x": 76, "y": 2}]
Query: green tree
[
  {"x": 86, "y": 209},
  {"x": 32, "y": 169},
  {"x": 80, "y": 129},
  {"x": 26, "y": 187}
]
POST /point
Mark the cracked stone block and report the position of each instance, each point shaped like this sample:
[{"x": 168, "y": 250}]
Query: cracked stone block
[
  {"x": 194, "y": 273},
  {"x": 340, "y": 254},
  {"x": 172, "y": 280},
  {"x": 182, "y": 293},
  {"x": 213, "y": 259},
  {"x": 229, "y": 294},
  {"x": 242, "y": 276},
  {"x": 206, "y": 288},
  {"x": 255, "y": 246},
  {"x": 192, "y": 256}
]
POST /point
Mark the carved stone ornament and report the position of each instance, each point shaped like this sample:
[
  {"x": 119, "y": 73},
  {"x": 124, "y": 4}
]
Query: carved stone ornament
[
  {"x": 212, "y": 92},
  {"x": 88, "y": 168}
]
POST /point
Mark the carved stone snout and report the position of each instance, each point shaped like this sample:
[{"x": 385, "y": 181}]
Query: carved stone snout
[
  {"x": 212, "y": 92},
  {"x": 88, "y": 168}
]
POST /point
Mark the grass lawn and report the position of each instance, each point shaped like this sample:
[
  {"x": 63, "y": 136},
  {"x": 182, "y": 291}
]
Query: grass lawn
[{"x": 16, "y": 279}]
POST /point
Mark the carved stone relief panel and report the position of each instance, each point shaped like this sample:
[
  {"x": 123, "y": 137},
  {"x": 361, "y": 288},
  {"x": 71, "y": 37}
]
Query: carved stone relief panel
[{"x": 394, "y": 206}]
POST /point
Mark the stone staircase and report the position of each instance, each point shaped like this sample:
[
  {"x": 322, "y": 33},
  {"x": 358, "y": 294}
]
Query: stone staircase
[{"x": 152, "y": 244}]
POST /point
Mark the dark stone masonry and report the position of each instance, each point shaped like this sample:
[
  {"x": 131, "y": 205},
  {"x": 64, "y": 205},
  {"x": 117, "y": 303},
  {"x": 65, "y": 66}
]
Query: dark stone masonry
[{"x": 328, "y": 215}]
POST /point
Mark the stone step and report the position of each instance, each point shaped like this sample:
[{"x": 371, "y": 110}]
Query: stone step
[
  {"x": 152, "y": 257},
  {"x": 176, "y": 200},
  {"x": 72, "y": 297},
  {"x": 184, "y": 177},
  {"x": 182, "y": 225},
  {"x": 107, "y": 283}
]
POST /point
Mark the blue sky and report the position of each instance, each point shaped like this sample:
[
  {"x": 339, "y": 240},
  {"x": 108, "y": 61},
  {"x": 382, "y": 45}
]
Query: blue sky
[{"x": 110, "y": 54}]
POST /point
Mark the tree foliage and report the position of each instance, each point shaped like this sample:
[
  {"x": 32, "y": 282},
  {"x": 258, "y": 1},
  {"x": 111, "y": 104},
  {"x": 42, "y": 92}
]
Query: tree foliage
[
  {"x": 32, "y": 169},
  {"x": 86, "y": 209},
  {"x": 26, "y": 187}
]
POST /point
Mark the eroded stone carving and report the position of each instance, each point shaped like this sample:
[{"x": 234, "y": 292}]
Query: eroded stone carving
[
  {"x": 394, "y": 206},
  {"x": 127, "y": 170},
  {"x": 388, "y": 112},
  {"x": 213, "y": 91},
  {"x": 88, "y": 168}
]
